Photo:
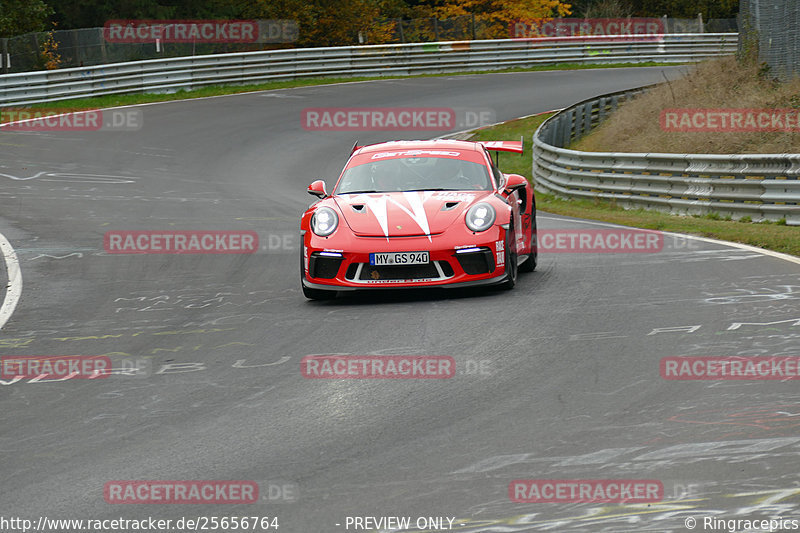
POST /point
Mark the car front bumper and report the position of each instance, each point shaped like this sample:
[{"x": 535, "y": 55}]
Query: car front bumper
[{"x": 457, "y": 259}]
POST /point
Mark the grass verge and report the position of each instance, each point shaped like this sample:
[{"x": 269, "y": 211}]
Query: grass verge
[
  {"x": 115, "y": 100},
  {"x": 713, "y": 85},
  {"x": 772, "y": 236}
]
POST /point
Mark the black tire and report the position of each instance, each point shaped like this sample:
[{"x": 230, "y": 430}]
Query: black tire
[
  {"x": 511, "y": 261},
  {"x": 530, "y": 263},
  {"x": 313, "y": 294}
]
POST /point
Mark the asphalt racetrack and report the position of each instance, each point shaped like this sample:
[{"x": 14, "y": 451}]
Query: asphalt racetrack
[{"x": 557, "y": 379}]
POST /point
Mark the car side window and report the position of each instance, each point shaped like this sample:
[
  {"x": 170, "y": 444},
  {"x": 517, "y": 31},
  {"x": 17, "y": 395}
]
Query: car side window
[{"x": 498, "y": 176}]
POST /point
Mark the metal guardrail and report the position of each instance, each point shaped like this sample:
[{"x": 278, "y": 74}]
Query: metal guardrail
[
  {"x": 170, "y": 75},
  {"x": 761, "y": 186}
]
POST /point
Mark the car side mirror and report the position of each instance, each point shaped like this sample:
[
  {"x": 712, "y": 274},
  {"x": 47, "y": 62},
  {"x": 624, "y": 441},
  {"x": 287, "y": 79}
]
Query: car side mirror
[
  {"x": 514, "y": 182},
  {"x": 317, "y": 189}
]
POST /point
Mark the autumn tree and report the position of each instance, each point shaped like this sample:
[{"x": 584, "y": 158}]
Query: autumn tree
[
  {"x": 499, "y": 14},
  {"x": 332, "y": 22}
]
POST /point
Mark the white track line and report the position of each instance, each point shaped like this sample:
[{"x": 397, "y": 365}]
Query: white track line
[
  {"x": 762, "y": 251},
  {"x": 14, "y": 289}
]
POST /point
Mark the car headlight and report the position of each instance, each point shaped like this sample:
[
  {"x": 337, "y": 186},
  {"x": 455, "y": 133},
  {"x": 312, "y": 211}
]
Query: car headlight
[
  {"x": 324, "y": 221},
  {"x": 480, "y": 217}
]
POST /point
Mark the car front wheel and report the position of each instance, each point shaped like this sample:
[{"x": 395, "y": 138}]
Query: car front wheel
[
  {"x": 530, "y": 264},
  {"x": 511, "y": 260}
]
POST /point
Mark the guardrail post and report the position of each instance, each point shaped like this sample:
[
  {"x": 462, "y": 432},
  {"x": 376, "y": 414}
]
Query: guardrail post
[
  {"x": 5, "y": 59},
  {"x": 103, "y": 50},
  {"x": 601, "y": 109},
  {"x": 569, "y": 125},
  {"x": 587, "y": 118}
]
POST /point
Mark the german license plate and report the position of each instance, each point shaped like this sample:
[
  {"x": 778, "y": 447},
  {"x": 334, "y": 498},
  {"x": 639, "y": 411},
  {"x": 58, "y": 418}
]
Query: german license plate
[{"x": 400, "y": 258}]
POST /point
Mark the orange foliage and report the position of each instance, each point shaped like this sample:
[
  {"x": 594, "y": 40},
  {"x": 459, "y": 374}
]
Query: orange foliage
[
  {"x": 499, "y": 14},
  {"x": 329, "y": 23},
  {"x": 50, "y": 55}
]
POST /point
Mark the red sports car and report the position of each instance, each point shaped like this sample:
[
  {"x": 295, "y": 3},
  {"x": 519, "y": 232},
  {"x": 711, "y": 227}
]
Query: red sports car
[{"x": 415, "y": 214}]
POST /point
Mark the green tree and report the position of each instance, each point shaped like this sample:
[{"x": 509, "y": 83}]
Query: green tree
[
  {"x": 608, "y": 9},
  {"x": 23, "y": 16},
  {"x": 686, "y": 8},
  {"x": 657, "y": 8},
  {"x": 94, "y": 13}
]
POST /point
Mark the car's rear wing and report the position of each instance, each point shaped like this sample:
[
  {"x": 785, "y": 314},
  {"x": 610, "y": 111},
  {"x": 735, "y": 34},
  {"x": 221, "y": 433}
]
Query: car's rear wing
[
  {"x": 503, "y": 146},
  {"x": 494, "y": 146}
]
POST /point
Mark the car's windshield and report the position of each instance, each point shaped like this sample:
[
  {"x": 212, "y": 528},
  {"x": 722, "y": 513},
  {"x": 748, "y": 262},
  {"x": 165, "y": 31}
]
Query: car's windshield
[{"x": 414, "y": 174}]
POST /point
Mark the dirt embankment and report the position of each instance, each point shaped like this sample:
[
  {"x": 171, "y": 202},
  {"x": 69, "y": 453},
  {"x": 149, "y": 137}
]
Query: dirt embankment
[{"x": 696, "y": 100}]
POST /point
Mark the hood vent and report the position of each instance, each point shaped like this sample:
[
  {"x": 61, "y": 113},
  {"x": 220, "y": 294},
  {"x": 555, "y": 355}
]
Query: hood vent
[
  {"x": 449, "y": 205},
  {"x": 359, "y": 208}
]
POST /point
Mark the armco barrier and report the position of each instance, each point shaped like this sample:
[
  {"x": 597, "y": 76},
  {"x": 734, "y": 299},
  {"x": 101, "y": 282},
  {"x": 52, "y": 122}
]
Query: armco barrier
[
  {"x": 763, "y": 187},
  {"x": 170, "y": 75}
]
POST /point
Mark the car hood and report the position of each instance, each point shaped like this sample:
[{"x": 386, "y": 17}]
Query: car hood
[{"x": 409, "y": 213}]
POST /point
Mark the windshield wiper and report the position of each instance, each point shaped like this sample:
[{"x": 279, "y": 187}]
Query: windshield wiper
[{"x": 357, "y": 192}]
